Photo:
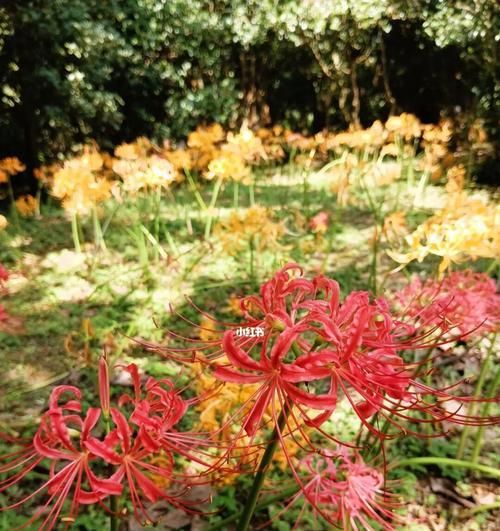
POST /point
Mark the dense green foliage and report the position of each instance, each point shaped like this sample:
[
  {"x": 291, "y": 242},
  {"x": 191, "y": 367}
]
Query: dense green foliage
[{"x": 73, "y": 70}]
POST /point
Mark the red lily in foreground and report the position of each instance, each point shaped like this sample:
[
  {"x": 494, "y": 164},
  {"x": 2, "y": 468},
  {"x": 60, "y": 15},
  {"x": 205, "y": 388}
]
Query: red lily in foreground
[
  {"x": 126, "y": 453},
  {"x": 313, "y": 341},
  {"x": 70, "y": 474},
  {"x": 313, "y": 349}
]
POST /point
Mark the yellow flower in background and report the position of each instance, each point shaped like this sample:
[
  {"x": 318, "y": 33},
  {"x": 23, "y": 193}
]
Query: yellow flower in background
[
  {"x": 467, "y": 228},
  {"x": 78, "y": 183},
  {"x": 137, "y": 149},
  {"x": 255, "y": 224},
  {"x": 272, "y": 142},
  {"x": 391, "y": 150},
  {"x": 181, "y": 160},
  {"x": 45, "y": 174},
  {"x": 436, "y": 155},
  {"x": 431, "y": 162},
  {"x": 440, "y": 133},
  {"x": 298, "y": 141},
  {"x": 26, "y": 205},
  {"x": 208, "y": 330},
  {"x": 161, "y": 460},
  {"x": 233, "y": 305},
  {"x": 203, "y": 144},
  {"x": 395, "y": 227},
  {"x": 219, "y": 408},
  {"x": 228, "y": 166},
  {"x": 477, "y": 134},
  {"x": 3, "y": 222},
  {"x": 126, "y": 151},
  {"x": 246, "y": 145},
  {"x": 143, "y": 173},
  {"x": 359, "y": 138},
  {"x": 10, "y": 166},
  {"x": 204, "y": 137},
  {"x": 405, "y": 125},
  {"x": 456, "y": 179},
  {"x": 353, "y": 175}
]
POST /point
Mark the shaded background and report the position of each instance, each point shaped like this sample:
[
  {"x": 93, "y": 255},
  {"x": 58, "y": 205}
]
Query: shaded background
[{"x": 112, "y": 70}]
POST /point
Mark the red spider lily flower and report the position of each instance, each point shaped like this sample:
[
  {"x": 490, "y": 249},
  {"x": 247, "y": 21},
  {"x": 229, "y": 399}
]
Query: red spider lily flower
[
  {"x": 464, "y": 300},
  {"x": 70, "y": 475},
  {"x": 259, "y": 312},
  {"x": 345, "y": 491},
  {"x": 104, "y": 386},
  {"x": 314, "y": 347},
  {"x": 319, "y": 223},
  {"x": 277, "y": 377},
  {"x": 157, "y": 411},
  {"x": 133, "y": 459},
  {"x": 130, "y": 446}
]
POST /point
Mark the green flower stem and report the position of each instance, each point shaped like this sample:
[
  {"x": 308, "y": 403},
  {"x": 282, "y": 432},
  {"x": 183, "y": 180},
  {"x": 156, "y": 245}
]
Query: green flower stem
[
  {"x": 492, "y": 266},
  {"x": 197, "y": 195},
  {"x": 305, "y": 191},
  {"x": 258, "y": 481},
  {"x": 38, "y": 198},
  {"x": 171, "y": 242},
  {"x": 446, "y": 461},
  {"x": 481, "y": 509},
  {"x": 215, "y": 195},
  {"x": 286, "y": 493},
  {"x": 110, "y": 218},
  {"x": 13, "y": 207},
  {"x": 478, "y": 443},
  {"x": 236, "y": 195},
  {"x": 98, "y": 236},
  {"x": 251, "y": 248},
  {"x": 157, "y": 202},
  {"x": 251, "y": 193},
  {"x": 477, "y": 393},
  {"x": 373, "y": 274},
  {"x": 74, "y": 232}
]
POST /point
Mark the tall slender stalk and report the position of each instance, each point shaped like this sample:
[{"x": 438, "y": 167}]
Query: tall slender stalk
[
  {"x": 197, "y": 195},
  {"x": 251, "y": 193},
  {"x": 478, "y": 442},
  {"x": 13, "y": 207},
  {"x": 236, "y": 195},
  {"x": 477, "y": 393},
  {"x": 258, "y": 481},
  {"x": 305, "y": 191},
  {"x": 157, "y": 213},
  {"x": 75, "y": 233},
  {"x": 446, "y": 461},
  {"x": 251, "y": 249},
  {"x": 215, "y": 195},
  {"x": 98, "y": 236},
  {"x": 373, "y": 271},
  {"x": 38, "y": 197}
]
